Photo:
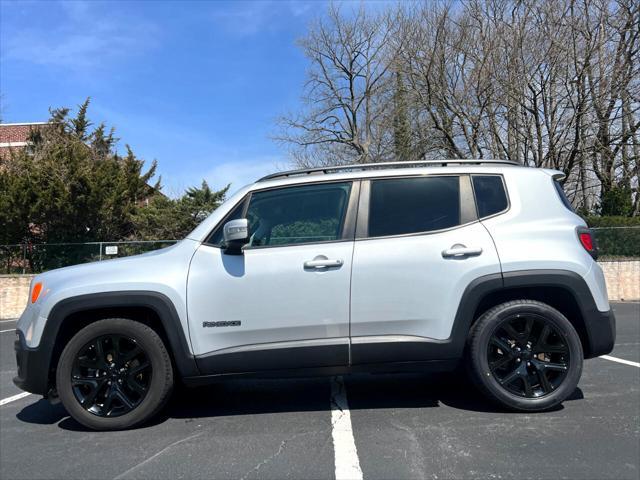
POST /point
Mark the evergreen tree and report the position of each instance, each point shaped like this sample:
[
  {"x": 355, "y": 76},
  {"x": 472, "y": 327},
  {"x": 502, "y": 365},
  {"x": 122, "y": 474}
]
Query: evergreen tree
[
  {"x": 202, "y": 201},
  {"x": 166, "y": 218},
  {"x": 72, "y": 185}
]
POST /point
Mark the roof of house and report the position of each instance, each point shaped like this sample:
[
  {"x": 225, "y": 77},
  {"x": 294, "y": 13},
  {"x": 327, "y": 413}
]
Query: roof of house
[{"x": 16, "y": 134}]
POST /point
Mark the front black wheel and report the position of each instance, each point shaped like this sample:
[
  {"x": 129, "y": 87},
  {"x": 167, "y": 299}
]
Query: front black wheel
[
  {"x": 525, "y": 355},
  {"x": 114, "y": 374}
]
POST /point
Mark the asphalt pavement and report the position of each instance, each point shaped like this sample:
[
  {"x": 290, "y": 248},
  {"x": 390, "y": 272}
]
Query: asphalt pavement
[{"x": 400, "y": 426}]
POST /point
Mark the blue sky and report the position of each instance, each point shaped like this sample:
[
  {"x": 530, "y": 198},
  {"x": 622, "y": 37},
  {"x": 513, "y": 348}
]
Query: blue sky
[{"x": 195, "y": 85}]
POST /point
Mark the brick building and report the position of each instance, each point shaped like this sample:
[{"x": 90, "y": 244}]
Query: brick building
[{"x": 15, "y": 136}]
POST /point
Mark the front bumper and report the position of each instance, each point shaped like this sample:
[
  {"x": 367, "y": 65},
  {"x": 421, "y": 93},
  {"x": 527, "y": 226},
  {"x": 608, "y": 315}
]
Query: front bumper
[
  {"x": 601, "y": 333},
  {"x": 33, "y": 367}
]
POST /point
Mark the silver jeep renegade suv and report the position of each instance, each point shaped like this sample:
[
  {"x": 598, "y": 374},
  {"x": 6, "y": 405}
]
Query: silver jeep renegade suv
[{"x": 382, "y": 267}]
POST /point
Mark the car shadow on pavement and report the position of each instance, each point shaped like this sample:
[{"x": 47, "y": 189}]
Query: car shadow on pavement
[
  {"x": 42, "y": 413},
  {"x": 251, "y": 397}
]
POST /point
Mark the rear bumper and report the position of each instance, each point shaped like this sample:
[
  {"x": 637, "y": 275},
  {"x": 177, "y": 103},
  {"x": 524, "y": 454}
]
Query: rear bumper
[
  {"x": 33, "y": 367},
  {"x": 601, "y": 333}
]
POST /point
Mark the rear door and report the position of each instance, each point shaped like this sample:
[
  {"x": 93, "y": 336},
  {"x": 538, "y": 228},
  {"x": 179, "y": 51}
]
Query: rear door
[{"x": 419, "y": 245}]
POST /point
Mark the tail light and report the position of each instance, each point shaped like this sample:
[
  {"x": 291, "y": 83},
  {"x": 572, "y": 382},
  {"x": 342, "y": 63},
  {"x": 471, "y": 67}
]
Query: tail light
[{"x": 588, "y": 241}]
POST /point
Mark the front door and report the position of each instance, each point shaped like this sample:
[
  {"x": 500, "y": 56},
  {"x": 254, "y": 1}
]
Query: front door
[{"x": 283, "y": 303}]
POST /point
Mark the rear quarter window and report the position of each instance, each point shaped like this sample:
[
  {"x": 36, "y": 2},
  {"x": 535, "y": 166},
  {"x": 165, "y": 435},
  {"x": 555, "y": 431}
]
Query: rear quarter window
[
  {"x": 563, "y": 196},
  {"x": 491, "y": 196}
]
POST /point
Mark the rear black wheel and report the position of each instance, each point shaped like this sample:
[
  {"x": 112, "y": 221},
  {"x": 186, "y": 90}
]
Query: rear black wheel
[
  {"x": 525, "y": 355},
  {"x": 528, "y": 355},
  {"x": 114, "y": 374}
]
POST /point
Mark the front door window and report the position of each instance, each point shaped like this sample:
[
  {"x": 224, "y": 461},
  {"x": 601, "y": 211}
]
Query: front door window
[{"x": 296, "y": 215}]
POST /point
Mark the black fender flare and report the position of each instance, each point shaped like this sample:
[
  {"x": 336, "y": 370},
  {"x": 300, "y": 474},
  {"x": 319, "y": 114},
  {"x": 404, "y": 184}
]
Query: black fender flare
[
  {"x": 599, "y": 326},
  {"x": 157, "y": 302}
]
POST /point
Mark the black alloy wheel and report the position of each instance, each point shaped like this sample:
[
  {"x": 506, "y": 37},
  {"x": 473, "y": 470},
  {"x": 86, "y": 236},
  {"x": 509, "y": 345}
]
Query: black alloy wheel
[
  {"x": 114, "y": 373},
  {"x": 111, "y": 375},
  {"x": 528, "y": 356},
  {"x": 524, "y": 355}
]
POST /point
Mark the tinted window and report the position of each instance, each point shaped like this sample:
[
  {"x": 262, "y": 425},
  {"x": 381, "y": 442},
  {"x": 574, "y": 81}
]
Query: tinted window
[
  {"x": 490, "y": 195},
  {"x": 294, "y": 215},
  {"x": 563, "y": 196},
  {"x": 411, "y": 205},
  {"x": 216, "y": 237}
]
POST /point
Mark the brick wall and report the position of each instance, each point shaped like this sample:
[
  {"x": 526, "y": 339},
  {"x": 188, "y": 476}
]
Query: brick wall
[
  {"x": 623, "y": 280},
  {"x": 623, "y": 283},
  {"x": 13, "y": 136},
  {"x": 14, "y": 290}
]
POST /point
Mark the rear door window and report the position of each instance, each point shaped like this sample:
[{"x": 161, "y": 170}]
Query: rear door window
[{"x": 400, "y": 206}]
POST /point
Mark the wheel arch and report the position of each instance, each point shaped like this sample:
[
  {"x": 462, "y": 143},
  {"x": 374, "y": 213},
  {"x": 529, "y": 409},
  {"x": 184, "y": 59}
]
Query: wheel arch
[
  {"x": 70, "y": 315},
  {"x": 564, "y": 290}
]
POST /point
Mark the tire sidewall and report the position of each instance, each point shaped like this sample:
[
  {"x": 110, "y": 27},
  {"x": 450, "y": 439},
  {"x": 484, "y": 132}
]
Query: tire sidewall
[
  {"x": 483, "y": 373},
  {"x": 153, "y": 347}
]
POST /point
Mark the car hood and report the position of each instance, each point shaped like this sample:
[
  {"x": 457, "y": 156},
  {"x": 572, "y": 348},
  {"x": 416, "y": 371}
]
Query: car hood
[{"x": 164, "y": 271}]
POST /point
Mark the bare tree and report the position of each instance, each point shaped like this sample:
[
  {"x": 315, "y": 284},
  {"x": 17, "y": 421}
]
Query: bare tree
[
  {"x": 346, "y": 85},
  {"x": 614, "y": 90},
  {"x": 546, "y": 83}
]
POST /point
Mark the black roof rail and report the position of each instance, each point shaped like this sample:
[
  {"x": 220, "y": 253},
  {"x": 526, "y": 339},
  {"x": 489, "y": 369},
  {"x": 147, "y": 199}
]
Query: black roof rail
[{"x": 381, "y": 165}]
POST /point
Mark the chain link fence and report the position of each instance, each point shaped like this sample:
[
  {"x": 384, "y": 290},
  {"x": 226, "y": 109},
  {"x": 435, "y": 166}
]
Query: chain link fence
[
  {"x": 618, "y": 243},
  {"x": 36, "y": 258},
  {"x": 614, "y": 243}
]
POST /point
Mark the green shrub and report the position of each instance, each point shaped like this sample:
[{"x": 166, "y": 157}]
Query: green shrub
[
  {"x": 616, "y": 201},
  {"x": 597, "y": 222},
  {"x": 616, "y": 236}
]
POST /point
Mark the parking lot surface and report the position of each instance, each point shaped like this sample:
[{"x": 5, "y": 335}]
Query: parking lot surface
[{"x": 402, "y": 426}]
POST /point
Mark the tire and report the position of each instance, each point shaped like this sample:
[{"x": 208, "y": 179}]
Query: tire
[
  {"x": 525, "y": 356},
  {"x": 120, "y": 369}
]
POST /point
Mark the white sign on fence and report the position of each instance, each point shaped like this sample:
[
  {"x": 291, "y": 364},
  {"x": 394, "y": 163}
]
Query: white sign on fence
[{"x": 111, "y": 250}]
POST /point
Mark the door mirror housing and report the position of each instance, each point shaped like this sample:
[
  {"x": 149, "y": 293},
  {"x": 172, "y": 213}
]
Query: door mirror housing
[{"x": 235, "y": 235}]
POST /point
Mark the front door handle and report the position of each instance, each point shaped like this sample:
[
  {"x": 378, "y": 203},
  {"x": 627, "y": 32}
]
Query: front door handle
[
  {"x": 322, "y": 262},
  {"x": 461, "y": 251}
]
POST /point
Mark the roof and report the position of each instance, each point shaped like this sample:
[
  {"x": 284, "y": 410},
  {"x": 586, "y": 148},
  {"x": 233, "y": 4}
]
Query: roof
[
  {"x": 388, "y": 169},
  {"x": 16, "y": 134},
  {"x": 384, "y": 165},
  {"x": 21, "y": 123}
]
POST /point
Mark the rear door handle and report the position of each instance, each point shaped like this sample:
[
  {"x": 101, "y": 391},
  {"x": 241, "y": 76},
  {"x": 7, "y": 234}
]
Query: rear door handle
[
  {"x": 461, "y": 251},
  {"x": 320, "y": 262}
]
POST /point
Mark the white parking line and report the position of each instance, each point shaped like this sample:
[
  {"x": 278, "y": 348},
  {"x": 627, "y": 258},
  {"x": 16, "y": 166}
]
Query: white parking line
[
  {"x": 10, "y": 330},
  {"x": 4, "y": 401},
  {"x": 344, "y": 446},
  {"x": 10, "y": 320},
  {"x": 620, "y": 360}
]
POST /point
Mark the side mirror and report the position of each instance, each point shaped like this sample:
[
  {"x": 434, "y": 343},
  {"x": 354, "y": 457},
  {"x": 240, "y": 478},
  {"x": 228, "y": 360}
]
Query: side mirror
[{"x": 235, "y": 234}]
